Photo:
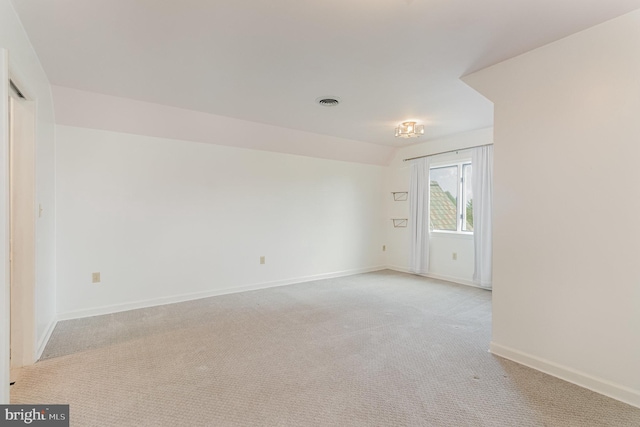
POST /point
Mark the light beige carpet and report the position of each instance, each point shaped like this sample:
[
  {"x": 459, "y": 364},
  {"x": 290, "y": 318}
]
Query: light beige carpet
[{"x": 377, "y": 349}]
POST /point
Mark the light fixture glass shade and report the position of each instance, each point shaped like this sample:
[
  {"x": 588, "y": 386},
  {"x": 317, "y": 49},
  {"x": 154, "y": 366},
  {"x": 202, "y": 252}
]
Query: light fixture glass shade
[{"x": 409, "y": 130}]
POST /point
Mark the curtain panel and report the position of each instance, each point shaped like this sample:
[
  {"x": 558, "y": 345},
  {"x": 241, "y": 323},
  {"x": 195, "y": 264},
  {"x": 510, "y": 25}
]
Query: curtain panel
[
  {"x": 419, "y": 216},
  {"x": 482, "y": 187}
]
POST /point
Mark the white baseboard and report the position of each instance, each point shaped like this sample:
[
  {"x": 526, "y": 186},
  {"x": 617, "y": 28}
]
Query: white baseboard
[
  {"x": 96, "y": 311},
  {"x": 437, "y": 277},
  {"x": 42, "y": 342},
  {"x": 599, "y": 385}
]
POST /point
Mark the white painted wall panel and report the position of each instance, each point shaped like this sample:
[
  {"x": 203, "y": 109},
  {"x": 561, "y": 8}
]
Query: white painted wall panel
[
  {"x": 162, "y": 218},
  {"x": 566, "y": 295}
]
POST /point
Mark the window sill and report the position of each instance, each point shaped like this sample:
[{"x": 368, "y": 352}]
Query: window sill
[{"x": 452, "y": 234}]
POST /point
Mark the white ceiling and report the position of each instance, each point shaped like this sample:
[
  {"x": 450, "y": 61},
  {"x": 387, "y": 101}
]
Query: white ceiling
[{"x": 268, "y": 60}]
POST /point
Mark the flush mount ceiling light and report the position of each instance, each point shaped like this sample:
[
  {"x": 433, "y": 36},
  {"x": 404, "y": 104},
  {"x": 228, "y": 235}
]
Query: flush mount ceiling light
[
  {"x": 409, "y": 130},
  {"x": 328, "y": 101}
]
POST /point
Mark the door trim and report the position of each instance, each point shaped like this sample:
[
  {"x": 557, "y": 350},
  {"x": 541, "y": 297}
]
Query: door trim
[{"x": 4, "y": 226}]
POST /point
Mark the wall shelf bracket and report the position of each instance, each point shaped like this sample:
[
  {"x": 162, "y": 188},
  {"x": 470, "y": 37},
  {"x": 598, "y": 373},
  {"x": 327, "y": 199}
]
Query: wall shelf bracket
[
  {"x": 400, "y": 196},
  {"x": 399, "y": 222}
]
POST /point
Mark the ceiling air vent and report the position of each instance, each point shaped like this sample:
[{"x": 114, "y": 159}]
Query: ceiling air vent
[{"x": 328, "y": 101}]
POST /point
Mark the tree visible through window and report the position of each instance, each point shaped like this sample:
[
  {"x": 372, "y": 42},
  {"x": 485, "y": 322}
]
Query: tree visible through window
[{"x": 451, "y": 202}]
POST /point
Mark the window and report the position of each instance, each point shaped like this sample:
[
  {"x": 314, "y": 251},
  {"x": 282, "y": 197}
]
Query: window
[{"x": 451, "y": 203}]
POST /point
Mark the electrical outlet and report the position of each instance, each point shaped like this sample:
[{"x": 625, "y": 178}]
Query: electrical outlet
[
  {"x": 454, "y": 256},
  {"x": 384, "y": 248},
  {"x": 262, "y": 259},
  {"x": 95, "y": 277}
]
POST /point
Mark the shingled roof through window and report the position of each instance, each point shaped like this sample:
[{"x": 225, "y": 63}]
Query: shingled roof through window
[{"x": 443, "y": 209}]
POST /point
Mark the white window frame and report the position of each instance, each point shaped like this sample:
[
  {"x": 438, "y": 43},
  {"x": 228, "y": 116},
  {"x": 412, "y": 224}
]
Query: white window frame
[{"x": 461, "y": 213}]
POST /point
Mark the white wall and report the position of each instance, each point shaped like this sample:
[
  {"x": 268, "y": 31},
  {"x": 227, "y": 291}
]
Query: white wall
[
  {"x": 25, "y": 69},
  {"x": 164, "y": 220},
  {"x": 566, "y": 286},
  {"x": 441, "y": 245}
]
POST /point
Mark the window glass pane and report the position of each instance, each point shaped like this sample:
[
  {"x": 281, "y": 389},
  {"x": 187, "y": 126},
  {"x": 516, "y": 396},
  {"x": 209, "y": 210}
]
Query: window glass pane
[
  {"x": 444, "y": 198},
  {"x": 467, "y": 200}
]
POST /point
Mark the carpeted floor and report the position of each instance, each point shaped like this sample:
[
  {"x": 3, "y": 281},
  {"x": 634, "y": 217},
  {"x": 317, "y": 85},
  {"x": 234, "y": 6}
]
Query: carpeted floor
[{"x": 377, "y": 349}]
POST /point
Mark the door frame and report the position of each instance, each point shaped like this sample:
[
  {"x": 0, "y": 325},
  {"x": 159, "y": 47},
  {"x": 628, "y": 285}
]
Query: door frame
[
  {"x": 4, "y": 228},
  {"x": 22, "y": 241},
  {"x": 5, "y": 243}
]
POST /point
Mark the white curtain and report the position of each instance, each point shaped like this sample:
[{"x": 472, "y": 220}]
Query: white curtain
[
  {"x": 419, "y": 216},
  {"x": 482, "y": 183}
]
